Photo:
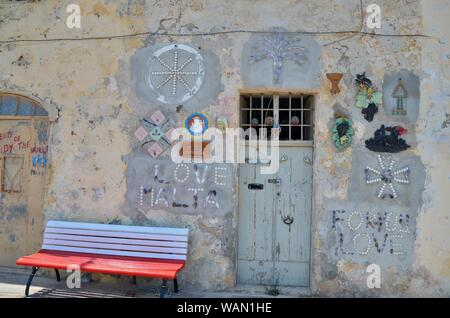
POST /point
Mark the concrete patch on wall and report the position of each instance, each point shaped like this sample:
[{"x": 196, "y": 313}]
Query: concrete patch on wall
[
  {"x": 180, "y": 188},
  {"x": 163, "y": 74},
  {"x": 407, "y": 194},
  {"x": 401, "y": 96},
  {"x": 362, "y": 233},
  {"x": 280, "y": 59}
]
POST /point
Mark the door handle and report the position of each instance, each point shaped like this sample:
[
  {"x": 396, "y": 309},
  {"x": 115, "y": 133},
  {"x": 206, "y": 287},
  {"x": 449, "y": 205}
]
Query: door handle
[{"x": 255, "y": 186}]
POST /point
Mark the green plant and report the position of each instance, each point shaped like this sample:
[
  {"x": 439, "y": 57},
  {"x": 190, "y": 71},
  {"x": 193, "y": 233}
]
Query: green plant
[{"x": 272, "y": 291}]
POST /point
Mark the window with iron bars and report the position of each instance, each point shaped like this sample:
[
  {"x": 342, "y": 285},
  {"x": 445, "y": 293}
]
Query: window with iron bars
[{"x": 293, "y": 113}]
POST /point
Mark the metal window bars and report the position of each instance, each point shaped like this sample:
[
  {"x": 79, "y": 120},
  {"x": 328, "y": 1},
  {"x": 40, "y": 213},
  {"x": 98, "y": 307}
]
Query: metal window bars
[{"x": 293, "y": 113}]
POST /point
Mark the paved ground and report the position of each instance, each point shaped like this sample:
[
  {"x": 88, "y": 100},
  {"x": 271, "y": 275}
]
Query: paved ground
[{"x": 13, "y": 281}]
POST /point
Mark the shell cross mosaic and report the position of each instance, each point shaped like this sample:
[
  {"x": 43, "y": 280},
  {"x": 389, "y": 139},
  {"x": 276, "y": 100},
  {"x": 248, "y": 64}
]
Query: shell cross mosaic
[{"x": 387, "y": 175}]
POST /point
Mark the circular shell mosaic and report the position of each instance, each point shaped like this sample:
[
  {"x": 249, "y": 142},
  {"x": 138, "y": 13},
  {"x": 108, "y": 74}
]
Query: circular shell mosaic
[{"x": 175, "y": 73}]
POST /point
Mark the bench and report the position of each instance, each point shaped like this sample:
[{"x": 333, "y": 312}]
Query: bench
[{"x": 157, "y": 252}]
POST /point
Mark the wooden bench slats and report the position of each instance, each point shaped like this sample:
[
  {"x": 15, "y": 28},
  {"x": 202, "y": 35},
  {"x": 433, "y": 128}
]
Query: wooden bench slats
[
  {"x": 115, "y": 246},
  {"x": 177, "y": 238},
  {"x": 118, "y": 228},
  {"x": 113, "y": 252},
  {"x": 115, "y": 240}
]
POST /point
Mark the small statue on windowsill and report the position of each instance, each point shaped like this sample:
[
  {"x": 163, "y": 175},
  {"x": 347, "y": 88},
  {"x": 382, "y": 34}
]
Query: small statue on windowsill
[{"x": 387, "y": 139}]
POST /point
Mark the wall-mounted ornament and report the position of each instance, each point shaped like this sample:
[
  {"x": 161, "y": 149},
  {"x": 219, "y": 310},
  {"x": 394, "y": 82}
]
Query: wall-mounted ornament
[
  {"x": 196, "y": 124},
  {"x": 155, "y": 133},
  {"x": 368, "y": 98},
  {"x": 342, "y": 133},
  {"x": 334, "y": 79},
  {"x": 387, "y": 139},
  {"x": 279, "y": 47},
  {"x": 175, "y": 73},
  {"x": 400, "y": 94},
  {"x": 387, "y": 174},
  {"x": 222, "y": 124}
]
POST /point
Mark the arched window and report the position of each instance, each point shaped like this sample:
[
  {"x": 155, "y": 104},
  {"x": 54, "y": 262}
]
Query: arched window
[{"x": 16, "y": 105}]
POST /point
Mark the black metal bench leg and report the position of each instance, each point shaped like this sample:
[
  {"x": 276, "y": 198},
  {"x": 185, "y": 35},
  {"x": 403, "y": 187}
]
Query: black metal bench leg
[
  {"x": 175, "y": 285},
  {"x": 58, "y": 278},
  {"x": 162, "y": 293},
  {"x": 30, "y": 279}
]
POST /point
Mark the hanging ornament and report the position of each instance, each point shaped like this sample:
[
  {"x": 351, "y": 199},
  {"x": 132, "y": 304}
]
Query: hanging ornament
[
  {"x": 342, "y": 133},
  {"x": 387, "y": 139},
  {"x": 334, "y": 78},
  {"x": 370, "y": 112},
  {"x": 368, "y": 98}
]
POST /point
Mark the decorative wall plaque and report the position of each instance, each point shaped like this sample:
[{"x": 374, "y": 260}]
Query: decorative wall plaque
[
  {"x": 387, "y": 174},
  {"x": 196, "y": 124},
  {"x": 155, "y": 133},
  {"x": 279, "y": 47},
  {"x": 175, "y": 73}
]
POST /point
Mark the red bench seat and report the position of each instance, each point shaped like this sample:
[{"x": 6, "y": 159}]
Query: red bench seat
[{"x": 106, "y": 264}]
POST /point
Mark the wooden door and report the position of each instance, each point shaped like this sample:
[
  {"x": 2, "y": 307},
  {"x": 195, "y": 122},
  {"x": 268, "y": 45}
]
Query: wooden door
[
  {"x": 23, "y": 165},
  {"x": 274, "y": 221}
]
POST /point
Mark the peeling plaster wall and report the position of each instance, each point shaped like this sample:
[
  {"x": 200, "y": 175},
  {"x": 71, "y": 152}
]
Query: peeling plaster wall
[{"x": 87, "y": 86}]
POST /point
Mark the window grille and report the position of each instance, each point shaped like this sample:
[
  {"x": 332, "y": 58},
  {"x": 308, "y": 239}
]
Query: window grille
[{"x": 293, "y": 114}]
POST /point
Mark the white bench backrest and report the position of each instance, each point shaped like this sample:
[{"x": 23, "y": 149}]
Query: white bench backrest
[{"x": 119, "y": 240}]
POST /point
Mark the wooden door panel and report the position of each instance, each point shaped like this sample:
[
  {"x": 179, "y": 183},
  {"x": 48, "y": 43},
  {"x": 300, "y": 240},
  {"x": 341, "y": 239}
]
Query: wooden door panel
[
  {"x": 14, "y": 144},
  {"x": 22, "y": 191},
  {"x": 274, "y": 223}
]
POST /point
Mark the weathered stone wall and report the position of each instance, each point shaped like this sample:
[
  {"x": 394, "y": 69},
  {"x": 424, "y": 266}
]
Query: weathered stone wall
[{"x": 92, "y": 91}]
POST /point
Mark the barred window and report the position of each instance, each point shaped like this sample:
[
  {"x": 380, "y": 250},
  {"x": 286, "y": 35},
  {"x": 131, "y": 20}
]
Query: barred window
[{"x": 292, "y": 113}]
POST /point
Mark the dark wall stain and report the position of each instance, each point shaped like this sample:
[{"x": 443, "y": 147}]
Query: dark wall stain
[{"x": 16, "y": 211}]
